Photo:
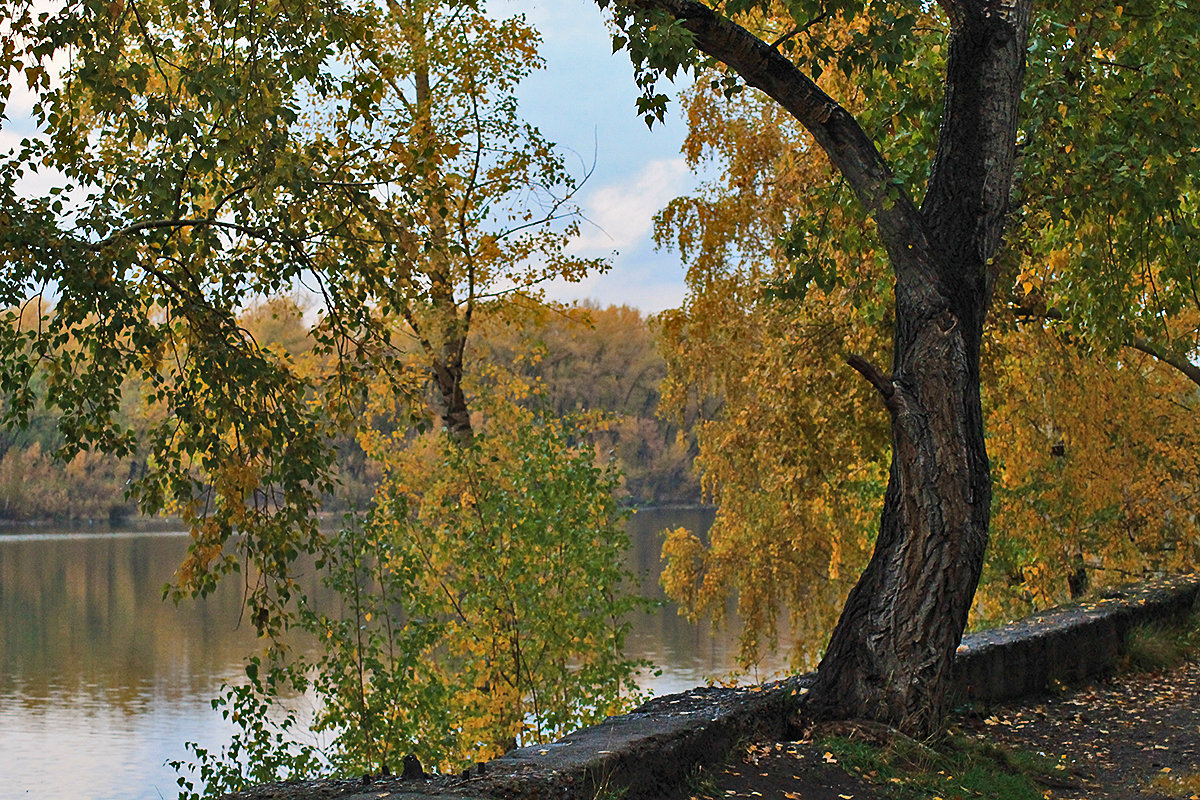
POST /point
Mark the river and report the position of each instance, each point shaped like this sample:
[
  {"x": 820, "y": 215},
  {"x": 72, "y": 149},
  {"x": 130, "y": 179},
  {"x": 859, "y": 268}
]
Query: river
[{"x": 102, "y": 682}]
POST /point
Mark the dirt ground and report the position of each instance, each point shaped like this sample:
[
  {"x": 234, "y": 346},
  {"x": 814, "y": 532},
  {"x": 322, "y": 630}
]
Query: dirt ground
[{"x": 1136, "y": 737}]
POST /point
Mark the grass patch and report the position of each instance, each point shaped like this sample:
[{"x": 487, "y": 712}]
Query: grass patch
[
  {"x": 700, "y": 783},
  {"x": 956, "y": 768},
  {"x": 1177, "y": 784},
  {"x": 1160, "y": 646},
  {"x": 607, "y": 792}
]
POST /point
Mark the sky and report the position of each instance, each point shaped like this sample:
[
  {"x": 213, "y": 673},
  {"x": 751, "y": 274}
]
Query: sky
[{"x": 584, "y": 101}]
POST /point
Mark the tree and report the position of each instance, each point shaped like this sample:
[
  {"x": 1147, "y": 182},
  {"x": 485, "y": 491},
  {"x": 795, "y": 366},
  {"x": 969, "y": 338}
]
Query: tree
[
  {"x": 185, "y": 186},
  {"x": 214, "y": 153},
  {"x": 1094, "y": 467},
  {"x": 507, "y": 561},
  {"x": 890, "y": 651},
  {"x": 890, "y": 655},
  {"x": 1103, "y": 256},
  {"x": 492, "y": 187}
]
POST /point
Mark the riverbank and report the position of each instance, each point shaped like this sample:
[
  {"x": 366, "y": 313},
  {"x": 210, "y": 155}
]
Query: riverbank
[{"x": 1132, "y": 737}]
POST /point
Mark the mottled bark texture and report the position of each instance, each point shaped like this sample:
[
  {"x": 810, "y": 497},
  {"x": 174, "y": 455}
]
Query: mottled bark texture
[
  {"x": 891, "y": 653},
  {"x": 448, "y": 375}
]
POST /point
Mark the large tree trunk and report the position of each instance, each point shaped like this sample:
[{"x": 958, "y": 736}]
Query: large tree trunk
[
  {"x": 891, "y": 653},
  {"x": 890, "y": 656}
]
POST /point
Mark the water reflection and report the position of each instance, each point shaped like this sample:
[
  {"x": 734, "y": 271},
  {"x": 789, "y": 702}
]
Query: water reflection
[
  {"x": 81, "y": 612},
  {"x": 688, "y": 654},
  {"x": 101, "y": 681}
]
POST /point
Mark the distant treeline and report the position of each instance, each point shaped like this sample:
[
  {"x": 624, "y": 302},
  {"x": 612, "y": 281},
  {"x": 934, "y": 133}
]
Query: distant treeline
[
  {"x": 584, "y": 359},
  {"x": 606, "y": 360}
]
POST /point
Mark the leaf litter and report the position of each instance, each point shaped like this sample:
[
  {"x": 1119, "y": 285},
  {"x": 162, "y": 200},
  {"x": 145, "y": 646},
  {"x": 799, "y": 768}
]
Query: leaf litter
[{"x": 1134, "y": 737}]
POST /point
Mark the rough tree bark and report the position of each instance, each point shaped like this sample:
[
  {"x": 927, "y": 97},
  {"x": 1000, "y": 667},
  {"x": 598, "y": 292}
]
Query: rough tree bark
[{"x": 891, "y": 653}]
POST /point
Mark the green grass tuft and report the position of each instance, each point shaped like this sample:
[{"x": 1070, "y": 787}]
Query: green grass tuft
[
  {"x": 700, "y": 783},
  {"x": 1160, "y": 646},
  {"x": 956, "y": 767}
]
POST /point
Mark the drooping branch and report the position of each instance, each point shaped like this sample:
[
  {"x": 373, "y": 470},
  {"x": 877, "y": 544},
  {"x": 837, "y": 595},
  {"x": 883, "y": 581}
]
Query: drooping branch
[
  {"x": 1171, "y": 359},
  {"x": 1180, "y": 362}
]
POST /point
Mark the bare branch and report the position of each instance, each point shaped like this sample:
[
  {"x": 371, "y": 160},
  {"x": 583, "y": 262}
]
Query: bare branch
[
  {"x": 801, "y": 29},
  {"x": 883, "y": 383}
]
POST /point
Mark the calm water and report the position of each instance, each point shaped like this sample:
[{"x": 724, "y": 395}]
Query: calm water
[{"x": 101, "y": 681}]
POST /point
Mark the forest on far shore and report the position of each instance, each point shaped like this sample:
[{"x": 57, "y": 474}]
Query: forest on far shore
[{"x": 588, "y": 359}]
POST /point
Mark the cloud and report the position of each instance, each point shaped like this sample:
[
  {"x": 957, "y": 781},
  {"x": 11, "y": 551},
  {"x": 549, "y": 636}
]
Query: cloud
[
  {"x": 620, "y": 215},
  {"x": 650, "y": 282}
]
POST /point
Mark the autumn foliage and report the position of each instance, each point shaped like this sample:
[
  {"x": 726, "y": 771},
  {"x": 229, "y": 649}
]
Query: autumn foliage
[{"x": 1096, "y": 469}]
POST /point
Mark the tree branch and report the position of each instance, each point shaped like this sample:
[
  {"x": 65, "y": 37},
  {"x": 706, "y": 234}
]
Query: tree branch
[
  {"x": 158, "y": 224},
  {"x": 799, "y": 30},
  {"x": 1172, "y": 359},
  {"x": 1191, "y": 371},
  {"x": 835, "y": 129},
  {"x": 883, "y": 383}
]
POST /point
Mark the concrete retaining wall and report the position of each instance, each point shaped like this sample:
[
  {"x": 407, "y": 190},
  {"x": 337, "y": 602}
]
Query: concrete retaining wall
[
  {"x": 1066, "y": 645},
  {"x": 651, "y": 751}
]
